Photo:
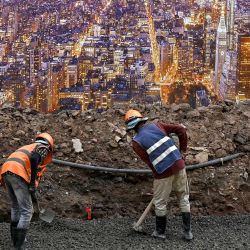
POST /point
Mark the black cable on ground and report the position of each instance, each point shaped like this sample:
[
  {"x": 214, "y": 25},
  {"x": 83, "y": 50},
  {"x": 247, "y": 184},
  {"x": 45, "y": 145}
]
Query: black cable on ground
[{"x": 143, "y": 171}]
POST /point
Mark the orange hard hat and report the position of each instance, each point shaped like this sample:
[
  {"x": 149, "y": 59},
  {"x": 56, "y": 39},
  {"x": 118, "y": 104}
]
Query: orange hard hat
[
  {"x": 45, "y": 137},
  {"x": 132, "y": 114},
  {"x": 133, "y": 118}
]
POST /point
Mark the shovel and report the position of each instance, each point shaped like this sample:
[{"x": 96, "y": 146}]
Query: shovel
[
  {"x": 45, "y": 215},
  {"x": 137, "y": 226}
]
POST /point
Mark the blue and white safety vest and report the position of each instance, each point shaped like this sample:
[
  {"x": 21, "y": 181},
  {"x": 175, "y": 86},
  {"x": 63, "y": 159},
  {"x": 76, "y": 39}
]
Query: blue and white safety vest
[{"x": 161, "y": 149}]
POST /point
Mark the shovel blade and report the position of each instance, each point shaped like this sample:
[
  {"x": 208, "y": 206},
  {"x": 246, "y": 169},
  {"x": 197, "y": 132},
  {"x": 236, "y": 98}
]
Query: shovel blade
[{"x": 47, "y": 215}]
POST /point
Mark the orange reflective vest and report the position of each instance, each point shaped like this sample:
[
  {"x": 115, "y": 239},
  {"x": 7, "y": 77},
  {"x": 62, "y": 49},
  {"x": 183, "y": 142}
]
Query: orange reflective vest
[{"x": 19, "y": 163}]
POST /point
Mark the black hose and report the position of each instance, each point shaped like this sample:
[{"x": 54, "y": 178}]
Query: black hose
[
  {"x": 143, "y": 171},
  {"x": 215, "y": 161}
]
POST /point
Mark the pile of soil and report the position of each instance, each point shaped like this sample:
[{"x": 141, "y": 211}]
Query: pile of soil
[{"x": 101, "y": 139}]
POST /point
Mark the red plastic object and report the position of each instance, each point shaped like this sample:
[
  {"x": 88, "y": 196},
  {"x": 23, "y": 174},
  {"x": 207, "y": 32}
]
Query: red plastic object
[{"x": 88, "y": 211}]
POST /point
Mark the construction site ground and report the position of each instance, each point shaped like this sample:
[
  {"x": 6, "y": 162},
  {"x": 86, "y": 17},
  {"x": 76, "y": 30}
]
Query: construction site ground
[
  {"x": 209, "y": 233},
  {"x": 100, "y": 139}
]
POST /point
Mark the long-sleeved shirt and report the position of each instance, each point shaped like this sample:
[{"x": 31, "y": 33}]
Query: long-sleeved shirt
[
  {"x": 37, "y": 156},
  {"x": 180, "y": 131}
]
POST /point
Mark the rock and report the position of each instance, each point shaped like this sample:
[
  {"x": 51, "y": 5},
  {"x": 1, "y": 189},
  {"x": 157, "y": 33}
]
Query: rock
[
  {"x": 77, "y": 145},
  {"x": 203, "y": 129},
  {"x": 201, "y": 157},
  {"x": 245, "y": 187},
  {"x": 219, "y": 124},
  {"x": 117, "y": 138},
  {"x": 216, "y": 107},
  {"x": 231, "y": 120},
  {"x": 189, "y": 160},
  {"x": 76, "y": 113},
  {"x": 240, "y": 138},
  {"x": 20, "y": 133},
  {"x": 220, "y": 153},
  {"x": 245, "y": 175},
  {"x": 64, "y": 145},
  {"x": 94, "y": 140},
  {"x": 121, "y": 112},
  {"x": 183, "y": 106},
  {"x": 193, "y": 114},
  {"x": 129, "y": 139},
  {"x": 112, "y": 144},
  {"x": 246, "y": 114},
  {"x": 68, "y": 124},
  {"x": 88, "y": 128}
]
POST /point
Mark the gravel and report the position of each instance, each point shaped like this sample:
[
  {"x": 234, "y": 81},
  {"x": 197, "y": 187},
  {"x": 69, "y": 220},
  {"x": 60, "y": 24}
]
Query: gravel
[{"x": 225, "y": 232}]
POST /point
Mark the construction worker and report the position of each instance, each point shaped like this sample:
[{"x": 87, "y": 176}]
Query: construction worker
[
  {"x": 154, "y": 146},
  {"x": 21, "y": 174}
]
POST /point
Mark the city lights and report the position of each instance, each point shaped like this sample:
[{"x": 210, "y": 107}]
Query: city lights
[{"x": 76, "y": 54}]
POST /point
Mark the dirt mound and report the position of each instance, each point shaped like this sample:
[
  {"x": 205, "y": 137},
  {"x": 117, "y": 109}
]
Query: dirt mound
[{"x": 100, "y": 139}]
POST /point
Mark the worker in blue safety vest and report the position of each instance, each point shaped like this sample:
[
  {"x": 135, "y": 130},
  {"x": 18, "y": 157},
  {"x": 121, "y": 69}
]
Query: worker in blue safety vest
[{"x": 154, "y": 146}]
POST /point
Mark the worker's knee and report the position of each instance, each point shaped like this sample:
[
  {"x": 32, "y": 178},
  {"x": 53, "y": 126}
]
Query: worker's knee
[
  {"x": 25, "y": 219},
  {"x": 160, "y": 209},
  {"x": 160, "y": 212},
  {"x": 184, "y": 204}
]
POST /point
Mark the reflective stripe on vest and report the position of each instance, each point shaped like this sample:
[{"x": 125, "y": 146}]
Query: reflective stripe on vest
[
  {"x": 160, "y": 148},
  {"x": 20, "y": 161},
  {"x": 158, "y": 144},
  {"x": 25, "y": 151}
]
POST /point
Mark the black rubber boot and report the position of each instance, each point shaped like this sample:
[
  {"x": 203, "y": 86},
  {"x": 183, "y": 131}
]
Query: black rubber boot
[
  {"x": 19, "y": 235},
  {"x": 187, "y": 234},
  {"x": 160, "y": 227},
  {"x": 13, "y": 226}
]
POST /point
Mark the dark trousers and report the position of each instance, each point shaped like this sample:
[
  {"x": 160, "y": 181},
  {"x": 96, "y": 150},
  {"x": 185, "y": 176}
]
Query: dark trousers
[{"x": 21, "y": 207}]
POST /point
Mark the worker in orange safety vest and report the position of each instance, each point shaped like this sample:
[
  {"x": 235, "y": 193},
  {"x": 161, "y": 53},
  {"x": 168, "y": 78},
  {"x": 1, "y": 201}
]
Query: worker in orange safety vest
[{"x": 21, "y": 174}]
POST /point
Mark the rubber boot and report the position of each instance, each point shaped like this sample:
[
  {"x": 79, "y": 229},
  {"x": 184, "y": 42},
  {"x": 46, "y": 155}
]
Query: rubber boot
[
  {"x": 160, "y": 227},
  {"x": 19, "y": 235},
  {"x": 187, "y": 234},
  {"x": 13, "y": 226}
]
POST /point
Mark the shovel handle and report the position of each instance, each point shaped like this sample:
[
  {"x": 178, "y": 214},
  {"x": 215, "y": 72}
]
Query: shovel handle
[
  {"x": 35, "y": 201},
  {"x": 143, "y": 216}
]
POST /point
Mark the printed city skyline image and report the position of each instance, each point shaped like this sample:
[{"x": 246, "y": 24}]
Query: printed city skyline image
[{"x": 93, "y": 54}]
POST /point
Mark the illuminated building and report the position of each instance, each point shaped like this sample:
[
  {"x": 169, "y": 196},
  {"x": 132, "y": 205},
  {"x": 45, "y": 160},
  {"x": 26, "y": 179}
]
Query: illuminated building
[
  {"x": 117, "y": 56},
  {"x": 221, "y": 48},
  {"x": 55, "y": 77},
  {"x": 41, "y": 97},
  {"x": 3, "y": 68},
  {"x": 166, "y": 57},
  {"x": 34, "y": 58},
  {"x": 154, "y": 44},
  {"x": 133, "y": 80},
  {"x": 243, "y": 66},
  {"x": 12, "y": 26},
  {"x": 185, "y": 58},
  {"x": 230, "y": 23},
  {"x": 97, "y": 30},
  {"x": 208, "y": 43},
  {"x": 228, "y": 77},
  {"x": 71, "y": 74},
  {"x": 85, "y": 64},
  {"x": 216, "y": 13},
  {"x": 141, "y": 69}
]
